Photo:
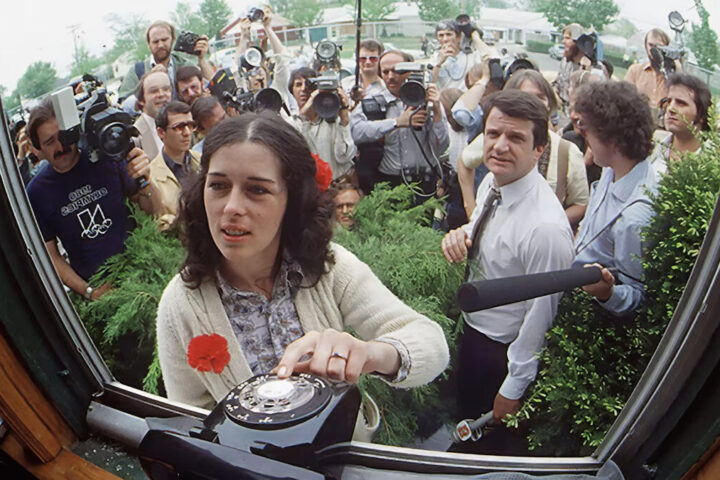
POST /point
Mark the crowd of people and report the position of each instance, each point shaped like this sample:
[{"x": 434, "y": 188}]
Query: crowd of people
[{"x": 536, "y": 176}]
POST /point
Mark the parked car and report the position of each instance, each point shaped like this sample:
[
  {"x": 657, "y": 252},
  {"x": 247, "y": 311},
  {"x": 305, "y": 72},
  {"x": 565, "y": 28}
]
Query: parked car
[{"x": 557, "y": 51}]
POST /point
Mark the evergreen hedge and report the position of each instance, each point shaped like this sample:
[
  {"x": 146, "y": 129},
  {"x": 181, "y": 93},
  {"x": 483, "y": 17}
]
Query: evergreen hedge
[{"x": 592, "y": 361}]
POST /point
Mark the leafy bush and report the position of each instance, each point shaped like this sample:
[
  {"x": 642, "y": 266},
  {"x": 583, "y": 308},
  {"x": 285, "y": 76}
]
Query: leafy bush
[
  {"x": 122, "y": 322},
  {"x": 592, "y": 361}
]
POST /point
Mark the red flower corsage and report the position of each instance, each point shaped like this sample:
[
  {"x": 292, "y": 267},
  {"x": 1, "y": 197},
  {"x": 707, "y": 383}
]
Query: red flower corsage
[
  {"x": 208, "y": 352},
  {"x": 323, "y": 174}
]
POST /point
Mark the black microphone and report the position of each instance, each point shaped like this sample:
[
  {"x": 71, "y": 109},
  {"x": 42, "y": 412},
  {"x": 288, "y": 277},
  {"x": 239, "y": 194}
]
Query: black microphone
[{"x": 484, "y": 294}]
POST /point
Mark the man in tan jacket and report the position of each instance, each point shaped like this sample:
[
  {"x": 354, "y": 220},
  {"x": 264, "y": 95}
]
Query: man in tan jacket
[{"x": 176, "y": 164}]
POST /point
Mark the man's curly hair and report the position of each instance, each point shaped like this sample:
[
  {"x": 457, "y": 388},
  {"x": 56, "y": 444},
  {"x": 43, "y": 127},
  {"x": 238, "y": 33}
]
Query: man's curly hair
[{"x": 619, "y": 115}]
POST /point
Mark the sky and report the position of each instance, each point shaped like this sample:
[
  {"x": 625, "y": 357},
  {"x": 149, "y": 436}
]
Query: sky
[{"x": 42, "y": 30}]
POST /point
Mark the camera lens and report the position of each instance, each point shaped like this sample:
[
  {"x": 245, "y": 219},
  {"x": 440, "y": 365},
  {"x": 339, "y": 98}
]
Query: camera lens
[
  {"x": 327, "y": 105},
  {"x": 114, "y": 141},
  {"x": 268, "y": 99},
  {"x": 412, "y": 93},
  {"x": 326, "y": 50}
]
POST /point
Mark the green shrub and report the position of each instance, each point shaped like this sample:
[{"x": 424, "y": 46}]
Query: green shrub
[
  {"x": 592, "y": 362},
  {"x": 393, "y": 239},
  {"x": 122, "y": 322}
]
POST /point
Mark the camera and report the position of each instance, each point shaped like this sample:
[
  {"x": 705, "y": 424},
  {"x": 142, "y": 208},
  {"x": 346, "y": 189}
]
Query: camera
[
  {"x": 588, "y": 44},
  {"x": 252, "y": 58},
  {"x": 327, "y": 104},
  {"x": 186, "y": 42},
  {"x": 502, "y": 68},
  {"x": 327, "y": 53},
  {"x": 663, "y": 57},
  {"x": 97, "y": 127},
  {"x": 413, "y": 91},
  {"x": 224, "y": 87},
  {"x": 256, "y": 14}
]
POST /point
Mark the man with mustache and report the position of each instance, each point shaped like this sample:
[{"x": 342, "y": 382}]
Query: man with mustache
[
  {"x": 404, "y": 159},
  {"x": 160, "y": 37},
  {"x": 82, "y": 203}
]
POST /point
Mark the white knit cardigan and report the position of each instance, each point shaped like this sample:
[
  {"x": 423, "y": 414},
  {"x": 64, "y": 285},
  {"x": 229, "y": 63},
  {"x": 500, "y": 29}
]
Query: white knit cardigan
[{"x": 349, "y": 295}]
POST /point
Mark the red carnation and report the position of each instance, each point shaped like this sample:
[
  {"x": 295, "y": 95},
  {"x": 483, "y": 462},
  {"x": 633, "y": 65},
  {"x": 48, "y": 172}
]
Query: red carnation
[
  {"x": 323, "y": 174},
  {"x": 208, "y": 352}
]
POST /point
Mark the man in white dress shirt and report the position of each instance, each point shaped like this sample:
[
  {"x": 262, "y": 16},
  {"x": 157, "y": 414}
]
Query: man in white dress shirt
[{"x": 517, "y": 228}]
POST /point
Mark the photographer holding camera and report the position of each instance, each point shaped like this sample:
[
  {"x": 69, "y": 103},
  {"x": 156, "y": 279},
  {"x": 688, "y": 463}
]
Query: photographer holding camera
[
  {"x": 648, "y": 77},
  {"x": 578, "y": 54},
  {"x": 81, "y": 202},
  {"x": 324, "y": 118},
  {"x": 451, "y": 62},
  {"x": 256, "y": 77},
  {"x": 160, "y": 37},
  {"x": 411, "y": 136}
]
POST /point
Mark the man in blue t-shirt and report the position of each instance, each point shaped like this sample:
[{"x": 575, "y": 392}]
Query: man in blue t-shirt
[{"x": 82, "y": 203}]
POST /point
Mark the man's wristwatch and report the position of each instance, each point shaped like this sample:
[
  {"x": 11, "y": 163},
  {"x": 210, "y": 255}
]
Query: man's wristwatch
[{"x": 88, "y": 293}]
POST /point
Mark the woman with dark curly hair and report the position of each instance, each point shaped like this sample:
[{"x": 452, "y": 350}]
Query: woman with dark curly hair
[{"x": 262, "y": 274}]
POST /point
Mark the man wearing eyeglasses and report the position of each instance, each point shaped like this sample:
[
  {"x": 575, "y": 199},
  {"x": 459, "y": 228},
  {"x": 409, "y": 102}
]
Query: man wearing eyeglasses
[
  {"x": 175, "y": 165},
  {"x": 368, "y": 60}
]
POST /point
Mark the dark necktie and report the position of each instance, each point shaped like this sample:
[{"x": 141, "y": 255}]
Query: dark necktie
[{"x": 491, "y": 201}]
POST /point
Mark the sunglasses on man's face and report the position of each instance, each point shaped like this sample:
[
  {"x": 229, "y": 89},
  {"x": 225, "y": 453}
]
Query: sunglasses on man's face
[
  {"x": 180, "y": 126},
  {"x": 371, "y": 59}
]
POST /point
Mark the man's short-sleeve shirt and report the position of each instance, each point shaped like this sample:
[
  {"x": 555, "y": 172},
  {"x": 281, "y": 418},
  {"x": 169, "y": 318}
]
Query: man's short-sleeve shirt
[{"x": 85, "y": 208}]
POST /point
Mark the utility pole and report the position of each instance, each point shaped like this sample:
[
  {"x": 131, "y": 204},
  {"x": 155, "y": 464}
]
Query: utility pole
[{"x": 73, "y": 31}]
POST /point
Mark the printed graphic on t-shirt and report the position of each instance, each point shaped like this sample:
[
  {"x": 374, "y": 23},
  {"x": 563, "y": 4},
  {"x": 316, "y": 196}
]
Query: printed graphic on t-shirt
[
  {"x": 94, "y": 223},
  {"x": 82, "y": 197}
]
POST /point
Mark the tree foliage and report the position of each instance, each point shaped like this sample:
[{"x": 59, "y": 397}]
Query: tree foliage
[
  {"x": 588, "y": 13},
  {"x": 84, "y": 61},
  {"x": 215, "y": 15},
  {"x": 376, "y": 10},
  {"x": 184, "y": 18},
  {"x": 704, "y": 40},
  {"x": 129, "y": 33},
  {"x": 301, "y": 13},
  {"x": 38, "y": 79},
  {"x": 436, "y": 10},
  {"x": 592, "y": 361}
]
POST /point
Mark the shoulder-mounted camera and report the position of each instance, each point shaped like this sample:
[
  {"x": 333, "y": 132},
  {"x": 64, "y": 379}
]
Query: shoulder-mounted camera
[
  {"x": 412, "y": 91},
  {"x": 225, "y": 88}
]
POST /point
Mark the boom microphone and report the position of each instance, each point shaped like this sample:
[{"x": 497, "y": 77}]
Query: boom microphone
[{"x": 484, "y": 294}]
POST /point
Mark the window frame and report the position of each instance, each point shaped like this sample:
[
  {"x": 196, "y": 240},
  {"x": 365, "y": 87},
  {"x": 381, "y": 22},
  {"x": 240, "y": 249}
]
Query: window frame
[{"x": 677, "y": 354}]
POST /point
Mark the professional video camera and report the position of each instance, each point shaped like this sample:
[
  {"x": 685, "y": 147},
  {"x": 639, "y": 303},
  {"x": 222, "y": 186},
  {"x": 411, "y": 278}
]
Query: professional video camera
[
  {"x": 502, "y": 68},
  {"x": 256, "y": 14},
  {"x": 186, "y": 43},
  {"x": 97, "y": 127},
  {"x": 327, "y": 53},
  {"x": 327, "y": 103},
  {"x": 663, "y": 57},
  {"x": 413, "y": 91},
  {"x": 224, "y": 87}
]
